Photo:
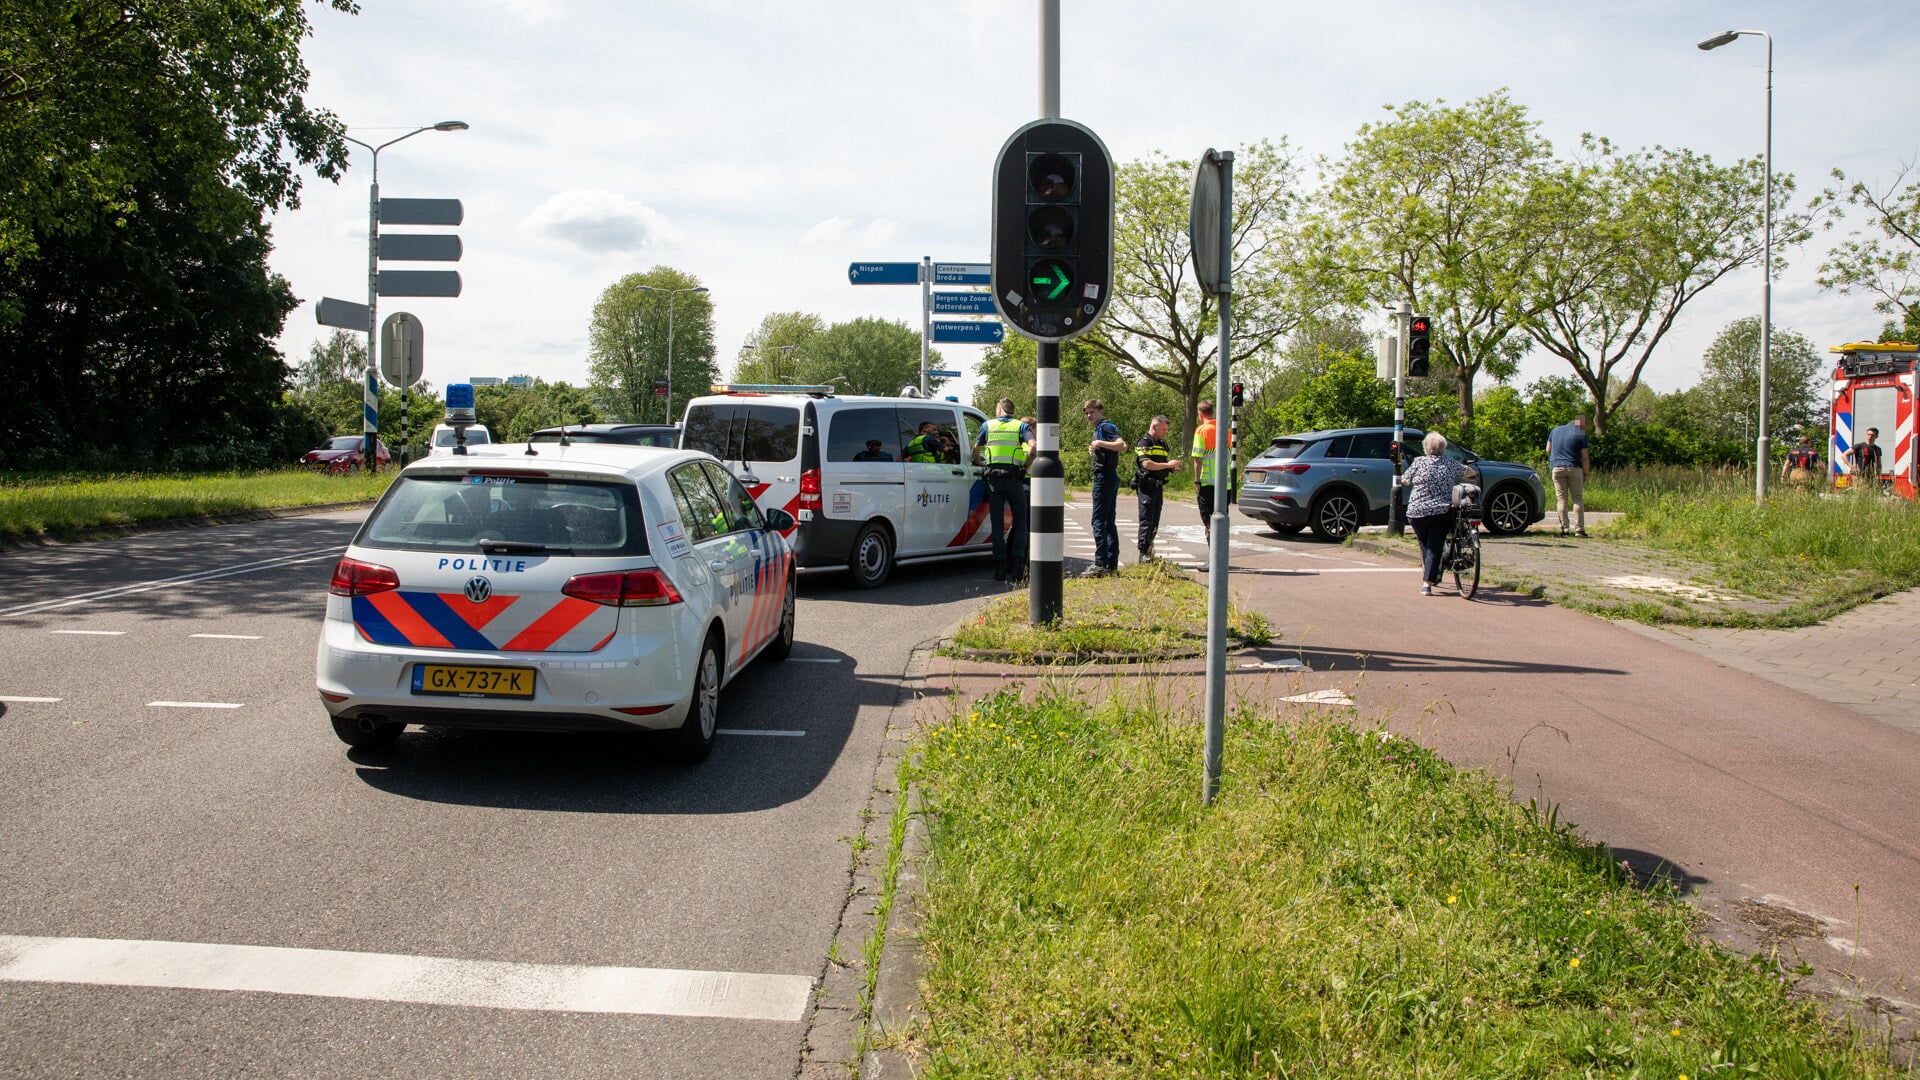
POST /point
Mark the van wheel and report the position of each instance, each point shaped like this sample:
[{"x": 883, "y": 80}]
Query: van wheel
[
  {"x": 871, "y": 560},
  {"x": 693, "y": 740}
]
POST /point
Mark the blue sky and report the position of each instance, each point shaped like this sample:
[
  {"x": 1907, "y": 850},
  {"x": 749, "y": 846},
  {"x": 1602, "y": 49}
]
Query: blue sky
[{"x": 762, "y": 146}]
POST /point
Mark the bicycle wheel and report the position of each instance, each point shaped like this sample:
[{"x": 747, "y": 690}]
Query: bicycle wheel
[{"x": 1466, "y": 567}]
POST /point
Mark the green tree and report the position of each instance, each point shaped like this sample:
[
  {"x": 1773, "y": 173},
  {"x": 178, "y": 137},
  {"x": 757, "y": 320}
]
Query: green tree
[
  {"x": 98, "y": 99},
  {"x": 1439, "y": 207},
  {"x": 341, "y": 357},
  {"x": 1883, "y": 258},
  {"x": 771, "y": 354},
  {"x": 1631, "y": 240},
  {"x": 1728, "y": 399},
  {"x": 1347, "y": 394},
  {"x": 512, "y": 413},
  {"x": 865, "y": 356},
  {"x": 1158, "y": 325},
  {"x": 628, "y": 341}
]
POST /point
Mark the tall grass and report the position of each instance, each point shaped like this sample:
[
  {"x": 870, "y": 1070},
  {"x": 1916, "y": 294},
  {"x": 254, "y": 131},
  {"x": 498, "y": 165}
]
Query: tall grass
[
  {"x": 1833, "y": 548},
  {"x": 1351, "y": 906},
  {"x": 63, "y": 505}
]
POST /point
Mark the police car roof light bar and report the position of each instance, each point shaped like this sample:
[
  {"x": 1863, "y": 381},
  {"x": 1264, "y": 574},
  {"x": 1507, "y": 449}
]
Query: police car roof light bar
[{"x": 769, "y": 388}]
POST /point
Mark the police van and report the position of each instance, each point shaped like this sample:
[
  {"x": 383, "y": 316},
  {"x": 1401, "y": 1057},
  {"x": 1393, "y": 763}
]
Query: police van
[{"x": 869, "y": 481}]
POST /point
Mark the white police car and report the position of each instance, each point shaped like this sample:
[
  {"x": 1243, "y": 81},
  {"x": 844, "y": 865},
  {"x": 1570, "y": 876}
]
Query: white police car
[{"x": 577, "y": 587}]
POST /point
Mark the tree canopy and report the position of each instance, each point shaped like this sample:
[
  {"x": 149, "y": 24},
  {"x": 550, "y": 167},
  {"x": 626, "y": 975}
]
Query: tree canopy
[
  {"x": 864, "y": 356},
  {"x": 628, "y": 343},
  {"x": 1883, "y": 258}
]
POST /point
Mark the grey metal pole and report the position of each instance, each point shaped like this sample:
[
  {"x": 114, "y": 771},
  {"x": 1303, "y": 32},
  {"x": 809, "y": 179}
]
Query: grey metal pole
[
  {"x": 1396, "y": 505},
  {"x": 926, "y": 316},
  {"x": 671, "y": 297},
  {"x": 370, "y": 390},
  {"x": 1764, "y": 462},
  {"x": 1049, "y": 59},
  {"x": 1217, "y": 527}
]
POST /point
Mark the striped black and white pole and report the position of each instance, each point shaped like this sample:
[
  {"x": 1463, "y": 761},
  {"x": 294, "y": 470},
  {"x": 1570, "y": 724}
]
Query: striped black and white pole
[{"x": 1046, "y": 515}]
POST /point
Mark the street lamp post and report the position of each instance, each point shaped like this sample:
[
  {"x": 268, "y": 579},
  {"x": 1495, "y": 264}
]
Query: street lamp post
[
  {"x": 788, "y": 349},
  {"x": 1762, "y": 465},
  {"x": 370, "y": 401},
  {"x": 671, "y": 293}
]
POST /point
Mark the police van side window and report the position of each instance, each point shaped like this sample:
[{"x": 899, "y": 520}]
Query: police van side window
[
  {"x": 944, "y": 445},
  {"x": 700, "y": 509},
  {"x": 862, "y": 434},
  {"x": 706, "y": 430},
  {"x": 772, "y": 433}
]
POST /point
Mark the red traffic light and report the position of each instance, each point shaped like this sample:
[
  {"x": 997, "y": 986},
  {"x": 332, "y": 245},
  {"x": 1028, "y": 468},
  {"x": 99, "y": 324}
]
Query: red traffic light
[{"x": 1419, "y": 325}]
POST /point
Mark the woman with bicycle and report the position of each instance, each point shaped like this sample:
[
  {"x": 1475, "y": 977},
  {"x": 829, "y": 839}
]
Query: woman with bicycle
[{"x": 1429, "y": 482}]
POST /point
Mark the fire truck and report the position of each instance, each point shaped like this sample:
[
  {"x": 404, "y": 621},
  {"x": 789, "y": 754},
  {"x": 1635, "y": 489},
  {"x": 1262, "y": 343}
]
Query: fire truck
[{"x": 1874, "y": 387}]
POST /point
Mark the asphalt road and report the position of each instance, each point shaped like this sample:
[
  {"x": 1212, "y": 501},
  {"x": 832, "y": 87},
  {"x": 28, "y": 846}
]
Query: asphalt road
[{"x": 188, "y": 852}]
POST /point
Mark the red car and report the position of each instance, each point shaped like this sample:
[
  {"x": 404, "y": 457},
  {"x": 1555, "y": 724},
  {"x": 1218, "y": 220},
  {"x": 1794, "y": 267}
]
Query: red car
[{"x": 342, "y": 454}]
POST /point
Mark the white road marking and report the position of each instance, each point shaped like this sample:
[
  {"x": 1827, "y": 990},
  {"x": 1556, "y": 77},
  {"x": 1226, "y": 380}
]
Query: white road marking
[
  {"x": 91, "y": 633},
  {"x": 230, "y": 637},
  {"x": 756, "y": 731},
  {"x": 192, "y": 705},
  {"x": 1286, "y": 664},
  {"x": 42, "y": 700},
  {"x": 426, "y": 980},
  {"x": 816, "y": 660},
  {"x": 1322, "y": 697},
  {"x": 160, "y": 583}
]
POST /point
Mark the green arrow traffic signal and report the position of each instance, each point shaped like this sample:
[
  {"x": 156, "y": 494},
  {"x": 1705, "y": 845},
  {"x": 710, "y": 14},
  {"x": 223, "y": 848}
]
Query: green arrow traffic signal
[{"x": 1052, "y": 278}]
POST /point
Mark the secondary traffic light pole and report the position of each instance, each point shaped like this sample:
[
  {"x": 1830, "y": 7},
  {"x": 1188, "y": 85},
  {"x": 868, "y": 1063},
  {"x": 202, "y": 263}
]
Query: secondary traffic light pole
[{"x": 1396, "y": 504}]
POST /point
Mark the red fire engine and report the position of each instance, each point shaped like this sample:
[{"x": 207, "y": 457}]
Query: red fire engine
[{"x": 1874, "y": 387}]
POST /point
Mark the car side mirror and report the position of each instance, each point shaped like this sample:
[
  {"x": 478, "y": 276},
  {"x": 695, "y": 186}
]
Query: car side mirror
[{"x": 778, "y": 520}]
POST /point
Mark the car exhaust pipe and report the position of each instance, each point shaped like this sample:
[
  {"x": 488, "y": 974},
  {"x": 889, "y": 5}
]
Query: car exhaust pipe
[{"x": 367, "y": 724}]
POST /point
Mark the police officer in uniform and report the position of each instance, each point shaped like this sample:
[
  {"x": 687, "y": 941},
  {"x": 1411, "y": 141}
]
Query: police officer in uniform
[
  {"x": 1001, "y": 451},
  {"x": 1153, "y": 464},
  {"x": 927, "y": 446}
]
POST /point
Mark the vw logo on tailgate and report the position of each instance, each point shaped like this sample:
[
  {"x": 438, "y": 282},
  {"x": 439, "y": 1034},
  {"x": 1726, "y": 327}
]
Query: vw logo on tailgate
[{"x": 478, "y": 589}]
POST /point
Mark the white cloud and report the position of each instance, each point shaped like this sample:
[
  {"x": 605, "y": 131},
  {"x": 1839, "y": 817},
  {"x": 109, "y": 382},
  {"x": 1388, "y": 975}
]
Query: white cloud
[
  {"x": 600, "y": 222},
  {"x": 837, "y": 231}
]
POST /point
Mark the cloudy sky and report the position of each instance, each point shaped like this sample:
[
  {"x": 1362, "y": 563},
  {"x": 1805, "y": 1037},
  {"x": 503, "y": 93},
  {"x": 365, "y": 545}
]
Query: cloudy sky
[{"x": 762, "y": 146}]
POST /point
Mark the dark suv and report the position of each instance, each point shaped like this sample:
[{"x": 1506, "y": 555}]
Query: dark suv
[
  {"x": 1337, "y": 481},
  {"x": 630, "y": 434}
]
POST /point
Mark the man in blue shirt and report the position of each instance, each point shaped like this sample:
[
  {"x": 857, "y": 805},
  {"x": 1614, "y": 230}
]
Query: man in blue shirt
[
  {"x": 1105, "y": 448},
  {"x": 1568, "y": 458}
]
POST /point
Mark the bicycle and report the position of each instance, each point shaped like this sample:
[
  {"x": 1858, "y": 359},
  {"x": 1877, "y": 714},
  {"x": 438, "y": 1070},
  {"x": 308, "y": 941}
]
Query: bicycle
[{"x": 1462, "y": 553}]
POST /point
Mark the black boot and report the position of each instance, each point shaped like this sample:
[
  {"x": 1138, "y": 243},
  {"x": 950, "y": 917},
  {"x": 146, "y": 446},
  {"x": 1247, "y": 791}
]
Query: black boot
[{"x": 999, "y": 569}]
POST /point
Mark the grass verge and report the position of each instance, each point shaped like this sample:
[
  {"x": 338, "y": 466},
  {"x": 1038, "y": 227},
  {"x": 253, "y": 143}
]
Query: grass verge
[
  {"x": 65, "y": 506},
  {"x": 1351, "y": 906},
  {"x": 1154, "y": 610}
]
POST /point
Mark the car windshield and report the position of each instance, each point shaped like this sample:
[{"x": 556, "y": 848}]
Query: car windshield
[
  {"x": 445, "y": 436},
  {"x": 343, "y": 442},
  {"x": 444, "y": 512}
]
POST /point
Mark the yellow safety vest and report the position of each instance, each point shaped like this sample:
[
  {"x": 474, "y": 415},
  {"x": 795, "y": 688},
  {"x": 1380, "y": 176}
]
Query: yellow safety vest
[
  {"x": 917, "y": 450},
  {"x": 1003, "y": 442}
]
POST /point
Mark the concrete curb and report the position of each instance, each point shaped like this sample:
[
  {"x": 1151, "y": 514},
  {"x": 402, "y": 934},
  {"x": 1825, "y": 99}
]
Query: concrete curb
[{"x": 199, "y": 521}]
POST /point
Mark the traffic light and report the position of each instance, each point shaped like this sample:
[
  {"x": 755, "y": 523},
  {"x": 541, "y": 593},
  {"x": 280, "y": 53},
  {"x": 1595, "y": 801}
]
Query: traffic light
[
  {"x": 1239, "y": 394},
  {"x": 1052, "y": 230},
  {"x": 1419, "y": 344}
]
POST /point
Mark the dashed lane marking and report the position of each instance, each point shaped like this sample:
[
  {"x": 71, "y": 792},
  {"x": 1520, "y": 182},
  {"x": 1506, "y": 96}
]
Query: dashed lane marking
[
  {"x": 1322, "y": 697},
  {"x": 161, "y": 583},
  {"x": 425, "y": 980},
  {"x": 757, "y": 731},
  {"x": 230, "y": 637},
  {"x": 91, "y": 633},
  {"x": 28, "y": 700},
  {"x": 816, "y": 660},
  {"x": 193, "y": 705}
]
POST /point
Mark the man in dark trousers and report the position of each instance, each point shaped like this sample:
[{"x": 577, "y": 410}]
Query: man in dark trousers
[
  {"x": 1204, "y": 435},
  {"x": 1567, "y": 456},
  {"x": 1105, "y": 448},
  {"x": 1001, "y": 452},
  {"x": 1153, "y": 464}
]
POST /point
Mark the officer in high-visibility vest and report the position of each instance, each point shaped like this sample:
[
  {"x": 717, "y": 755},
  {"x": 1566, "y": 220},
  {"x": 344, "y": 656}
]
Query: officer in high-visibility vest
[
  {"x": 1001, "y": 452},
  {"x": 1153, "y": 463},
  {"x": 1203, "y": 443},
  {"x": 927, "y": 446}
]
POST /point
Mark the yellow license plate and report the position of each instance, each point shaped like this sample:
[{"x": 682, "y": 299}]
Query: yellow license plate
[{"x": 459, "y": 680}]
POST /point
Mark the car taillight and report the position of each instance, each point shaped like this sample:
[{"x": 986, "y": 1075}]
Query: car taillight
[
  {"x": 810, "y": 489},
  {"x": 1294, "y": 469},
  {"x": 632, "y": 588},
  {"x": 351, "y": 577}
]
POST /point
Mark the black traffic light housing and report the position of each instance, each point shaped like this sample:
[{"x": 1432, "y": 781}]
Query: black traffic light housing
[
  {"x": 1419, "y": 344},
  {"x": 1052, "y": 230},
  {"x": 1239, "y": 394}
]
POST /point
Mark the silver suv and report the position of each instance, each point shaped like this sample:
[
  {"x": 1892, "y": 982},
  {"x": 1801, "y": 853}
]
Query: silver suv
[{"x": 1337, "y": 481}]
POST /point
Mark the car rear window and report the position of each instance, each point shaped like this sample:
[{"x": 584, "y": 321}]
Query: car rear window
[
  {"x": 437, "y": 512},
  {"x": 739, "y": 431},
  {"x": 476, "y": 436},
  {"x": 1283, "y": 449}
]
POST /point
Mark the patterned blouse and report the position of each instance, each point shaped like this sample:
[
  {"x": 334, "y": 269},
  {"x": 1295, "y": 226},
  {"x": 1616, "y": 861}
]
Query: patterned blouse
[{"x": 1431, "y": 480}]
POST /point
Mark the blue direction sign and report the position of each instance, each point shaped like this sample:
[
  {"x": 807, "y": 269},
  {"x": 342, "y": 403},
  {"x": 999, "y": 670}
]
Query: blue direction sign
[
  {"x": 884, "y": 273},
  {"x": 968, "y": 333},
  {"x": 962, "y": 274},
  {"x": 963, "y": 303},
  {"x": 943, "y": 374}
]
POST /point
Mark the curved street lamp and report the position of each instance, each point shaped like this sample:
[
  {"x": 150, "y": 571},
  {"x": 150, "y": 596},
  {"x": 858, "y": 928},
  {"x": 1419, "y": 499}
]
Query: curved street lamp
[
  {"x": 369, "y": 458},
  {"x": 671, "y": 293},
  {"x": 1762, "y": 465}
]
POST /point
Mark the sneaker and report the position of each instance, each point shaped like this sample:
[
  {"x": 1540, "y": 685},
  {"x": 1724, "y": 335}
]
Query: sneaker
[
  {"x": 1581, "y": 533},
  {"x": 1426, "y": 590}
]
